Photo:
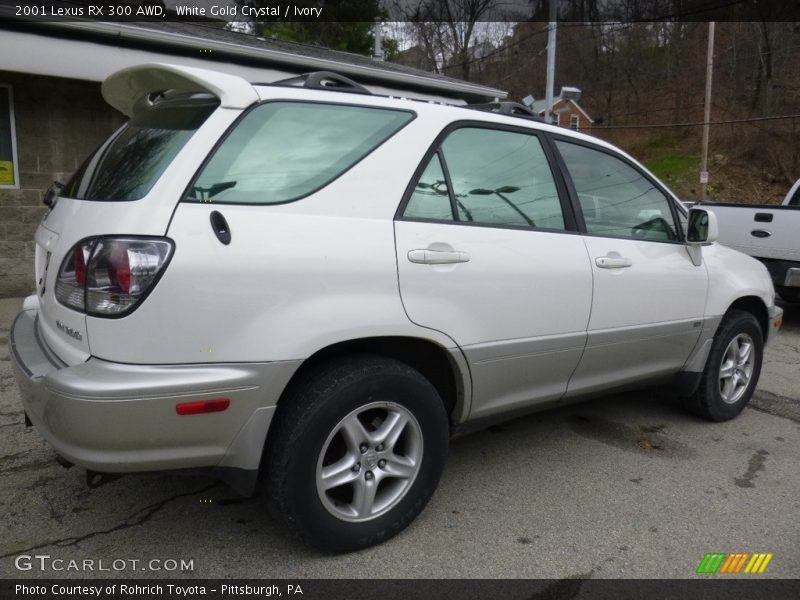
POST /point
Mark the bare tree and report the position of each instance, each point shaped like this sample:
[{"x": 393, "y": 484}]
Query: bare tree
[{"x": 445, "y": 30}]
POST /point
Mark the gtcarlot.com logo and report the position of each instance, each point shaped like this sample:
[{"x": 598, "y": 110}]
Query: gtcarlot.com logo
[
  {"x": 734, "y": 563},
  {"x": 44, "y": 562}
]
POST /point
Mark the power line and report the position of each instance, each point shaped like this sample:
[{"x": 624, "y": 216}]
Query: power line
[{"x": 698, "y": 123}]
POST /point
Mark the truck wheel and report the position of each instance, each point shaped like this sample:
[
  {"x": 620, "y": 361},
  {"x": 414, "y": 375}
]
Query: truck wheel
[
  {"x": 355, "y": 453},
  {"x": 732, "y": 369},
  {"x": 789, "y": 294}
]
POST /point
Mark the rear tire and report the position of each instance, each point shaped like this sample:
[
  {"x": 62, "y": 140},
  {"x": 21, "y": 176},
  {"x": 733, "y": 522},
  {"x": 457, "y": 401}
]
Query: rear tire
[
  {"x": 355, "y": 453},
  {"x": 732, "y": 368}
]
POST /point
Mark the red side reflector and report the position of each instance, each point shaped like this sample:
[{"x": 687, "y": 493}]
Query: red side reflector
[{"x": 203, "y": 406}]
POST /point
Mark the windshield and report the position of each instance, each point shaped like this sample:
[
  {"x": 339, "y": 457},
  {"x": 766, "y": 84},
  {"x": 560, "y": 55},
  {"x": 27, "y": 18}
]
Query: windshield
[{"x": 127, "y": 165}]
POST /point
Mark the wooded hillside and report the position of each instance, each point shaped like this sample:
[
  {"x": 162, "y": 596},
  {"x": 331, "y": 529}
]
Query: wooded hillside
[{"x": 643, "y": 81}]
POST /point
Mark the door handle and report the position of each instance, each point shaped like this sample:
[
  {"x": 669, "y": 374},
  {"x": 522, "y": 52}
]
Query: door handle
[
  {"x": 437, "y": 257},
  {"x": 763, "y": 218},
  {"x": 612, "y": 262}
]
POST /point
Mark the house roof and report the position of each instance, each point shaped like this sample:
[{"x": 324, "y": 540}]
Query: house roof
[
  {"x": 538, "y": 106},
  {"x": 221, "y": 44}
]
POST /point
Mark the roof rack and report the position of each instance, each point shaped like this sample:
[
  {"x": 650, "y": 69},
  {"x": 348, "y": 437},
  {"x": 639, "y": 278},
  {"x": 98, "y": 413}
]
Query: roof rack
[
  {"x": 325, "y": 80},
  {"x": 511, "y": 109}
]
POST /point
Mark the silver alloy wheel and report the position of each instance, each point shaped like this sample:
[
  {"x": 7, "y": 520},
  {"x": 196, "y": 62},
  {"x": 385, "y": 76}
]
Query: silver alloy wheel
[
  {"x": 736, "y": 368},
  {"x": 369, "y": 461}
]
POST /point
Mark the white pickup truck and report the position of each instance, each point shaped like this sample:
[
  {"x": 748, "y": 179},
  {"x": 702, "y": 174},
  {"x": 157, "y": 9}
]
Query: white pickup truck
[{"x": 769, "y": 233}]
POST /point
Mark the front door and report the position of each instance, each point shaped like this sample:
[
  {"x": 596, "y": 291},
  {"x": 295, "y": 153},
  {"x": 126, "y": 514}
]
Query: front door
[{"x": 649, "y": 298}]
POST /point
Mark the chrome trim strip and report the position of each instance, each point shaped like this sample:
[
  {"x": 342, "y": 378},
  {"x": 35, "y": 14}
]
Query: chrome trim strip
[
  {"x": 647, "y": 331},
  {"x": 524, "y": 347}
]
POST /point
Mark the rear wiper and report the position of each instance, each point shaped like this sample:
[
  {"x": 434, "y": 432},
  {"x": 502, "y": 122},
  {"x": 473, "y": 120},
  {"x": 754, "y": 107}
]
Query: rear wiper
[
  {"x": 213, "y": 190},
  {"x": 49, "y": 198}
]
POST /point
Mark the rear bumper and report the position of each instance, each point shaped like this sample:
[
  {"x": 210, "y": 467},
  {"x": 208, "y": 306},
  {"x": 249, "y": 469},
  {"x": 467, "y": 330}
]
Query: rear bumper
[{"x": 119, "y": 418}]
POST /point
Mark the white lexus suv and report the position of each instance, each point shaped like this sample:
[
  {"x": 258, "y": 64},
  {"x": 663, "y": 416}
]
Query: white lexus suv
[{"x": 307, "y": 289}]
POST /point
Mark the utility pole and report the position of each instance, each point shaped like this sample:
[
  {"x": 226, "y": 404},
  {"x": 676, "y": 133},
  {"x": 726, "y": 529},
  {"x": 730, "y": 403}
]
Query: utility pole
[
  {"x": 551, "y": 58},
  {"x": 707, "y": 115},
  {"x": 377, "y": 52}
]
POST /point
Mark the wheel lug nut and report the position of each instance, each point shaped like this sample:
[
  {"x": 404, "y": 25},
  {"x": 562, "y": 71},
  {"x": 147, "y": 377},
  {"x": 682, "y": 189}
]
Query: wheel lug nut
[
  {"x": 363, "y": 448},
  {"x": 368, "y": 475},
  {"x": 382, "y": 463},
  {"x": 356, "y": 467},
  {"x": 379, "y": 448}
]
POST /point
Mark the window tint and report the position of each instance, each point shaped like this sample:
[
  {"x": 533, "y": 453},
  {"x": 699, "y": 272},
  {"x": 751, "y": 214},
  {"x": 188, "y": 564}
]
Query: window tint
[
  {"x": 281, "y": 151},
  {"x": 501, "y": 178},
  {"x": 431, "y": 199},
  {"x": 129, "y": 163},
  {"x": 616, "y": 199}
]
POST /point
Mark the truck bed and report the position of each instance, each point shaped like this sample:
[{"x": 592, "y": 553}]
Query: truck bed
[{"x": 761, "y": 230}]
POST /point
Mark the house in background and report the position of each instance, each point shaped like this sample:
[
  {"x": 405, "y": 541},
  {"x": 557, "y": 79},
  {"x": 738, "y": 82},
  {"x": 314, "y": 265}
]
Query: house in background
[
  {"x": 566, "y": 111},
  {"x": 52, "y": 114}
]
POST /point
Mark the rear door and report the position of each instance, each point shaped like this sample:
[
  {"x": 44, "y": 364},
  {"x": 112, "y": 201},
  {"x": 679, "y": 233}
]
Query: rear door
[
  {"x": 487, "y": 254},
  {"x": 649, "y": 298}
]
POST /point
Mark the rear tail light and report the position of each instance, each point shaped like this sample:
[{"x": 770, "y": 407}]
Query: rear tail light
[
  {"x": 109, "y": 276},
  {"x": 71, "y": 280}
]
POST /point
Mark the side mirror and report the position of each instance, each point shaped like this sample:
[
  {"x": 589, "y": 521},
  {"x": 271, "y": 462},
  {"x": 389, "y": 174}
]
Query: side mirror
[{"x": 703, "y": 228}]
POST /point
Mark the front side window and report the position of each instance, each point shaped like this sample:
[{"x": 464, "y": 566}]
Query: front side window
[
  {"x": 497, "y": 178},
  {"x": 282, "y": 151},
  {"x": 9, "y": 167},
  {"x": 129, "y": 163},
  {"x": 616, "y": 199}
]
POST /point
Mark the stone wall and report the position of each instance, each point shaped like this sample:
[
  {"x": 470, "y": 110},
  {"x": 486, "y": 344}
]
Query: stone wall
[{"x": 58, "y": 123}]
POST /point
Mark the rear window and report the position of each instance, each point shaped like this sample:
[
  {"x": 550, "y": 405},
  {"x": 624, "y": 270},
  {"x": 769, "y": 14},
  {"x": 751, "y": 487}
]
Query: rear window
[
  {"x": 127, "y": 165},
  {"x": 283, "y": 151}
]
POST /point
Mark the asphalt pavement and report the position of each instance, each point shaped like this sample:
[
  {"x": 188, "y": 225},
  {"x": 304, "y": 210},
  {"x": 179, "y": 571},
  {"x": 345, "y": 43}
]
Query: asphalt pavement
[{"x": 625, "y": 486}]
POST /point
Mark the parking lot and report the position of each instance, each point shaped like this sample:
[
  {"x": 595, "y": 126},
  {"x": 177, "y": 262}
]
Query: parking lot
[{"x": 626, "y": 486}]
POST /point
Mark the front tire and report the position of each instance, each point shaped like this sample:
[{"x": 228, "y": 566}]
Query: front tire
[
  {"x": 732, "y": 369},
  {"x": 356, "y": 452}
]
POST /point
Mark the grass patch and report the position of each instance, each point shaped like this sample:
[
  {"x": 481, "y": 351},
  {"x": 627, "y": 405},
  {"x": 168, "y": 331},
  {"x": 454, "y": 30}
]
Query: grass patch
[{"x": 674, "y": 169}]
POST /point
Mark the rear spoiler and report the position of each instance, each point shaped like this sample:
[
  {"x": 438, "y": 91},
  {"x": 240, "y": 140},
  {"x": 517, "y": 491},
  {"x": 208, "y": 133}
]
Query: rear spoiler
[{"x": 126, "y": 88}]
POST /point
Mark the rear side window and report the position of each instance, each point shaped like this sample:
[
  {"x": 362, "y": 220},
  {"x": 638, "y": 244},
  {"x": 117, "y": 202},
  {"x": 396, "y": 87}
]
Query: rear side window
[
  {"x": 430, "y": 198},
  {"x": 498, "y": 177},
  {"x": 282, "y": 151},
  {"x": 129, "y": 163}
]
